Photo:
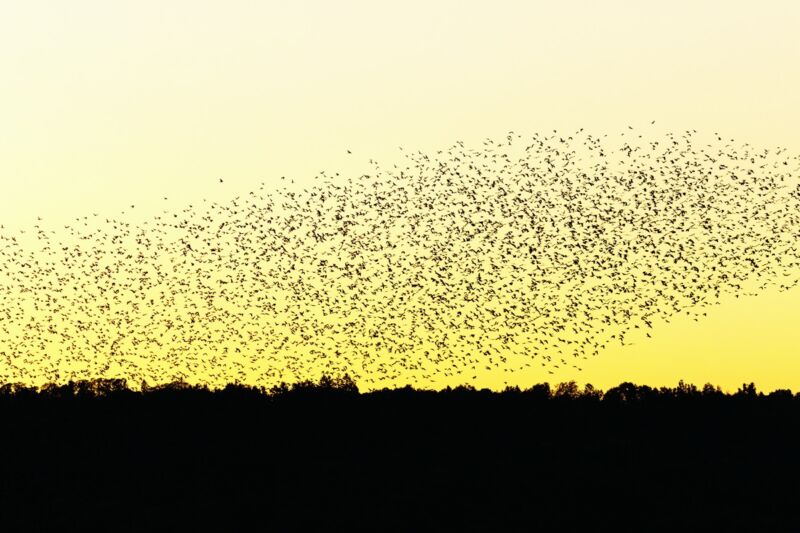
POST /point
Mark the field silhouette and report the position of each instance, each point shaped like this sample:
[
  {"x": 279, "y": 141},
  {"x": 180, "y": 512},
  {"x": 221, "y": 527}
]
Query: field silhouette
[{"x": 323, "y": 456}]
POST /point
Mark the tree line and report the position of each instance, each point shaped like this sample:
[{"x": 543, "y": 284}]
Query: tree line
[
  {"x": 344, "y": 386},
  {"x": 323, "y": 456}
]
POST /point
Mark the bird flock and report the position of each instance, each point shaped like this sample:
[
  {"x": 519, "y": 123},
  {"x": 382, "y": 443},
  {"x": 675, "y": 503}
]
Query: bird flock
[{"x": 526, "y": 254}]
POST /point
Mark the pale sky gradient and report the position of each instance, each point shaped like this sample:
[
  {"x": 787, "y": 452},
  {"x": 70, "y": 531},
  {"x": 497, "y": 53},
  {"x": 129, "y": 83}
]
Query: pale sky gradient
[{"x": 105, "y": 104}]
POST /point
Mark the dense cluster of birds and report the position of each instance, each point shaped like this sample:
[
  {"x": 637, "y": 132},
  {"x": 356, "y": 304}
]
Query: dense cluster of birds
[{"x": 516, "y": 253}]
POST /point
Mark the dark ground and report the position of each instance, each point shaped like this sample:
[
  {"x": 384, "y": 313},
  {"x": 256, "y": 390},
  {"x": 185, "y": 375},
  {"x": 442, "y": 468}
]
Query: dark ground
[{"x": 325, "y": 458}]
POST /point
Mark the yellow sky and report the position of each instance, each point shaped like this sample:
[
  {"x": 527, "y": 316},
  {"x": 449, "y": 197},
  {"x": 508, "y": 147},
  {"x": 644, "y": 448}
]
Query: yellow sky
[{"x": 106, "y": 104}]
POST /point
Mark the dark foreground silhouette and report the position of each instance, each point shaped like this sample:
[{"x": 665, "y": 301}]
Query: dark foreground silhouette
[{"x": 323, "y": 457}]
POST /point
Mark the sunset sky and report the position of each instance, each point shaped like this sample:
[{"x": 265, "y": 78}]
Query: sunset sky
[{"x": 104, "y": 105}]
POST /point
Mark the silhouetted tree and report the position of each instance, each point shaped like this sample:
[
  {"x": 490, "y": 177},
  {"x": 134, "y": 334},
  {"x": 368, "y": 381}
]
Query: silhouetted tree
[
  {"x": 747, "y": 390},
  {"x": 781, "y": 394},
  {"x": 627, "y": 392},
  {"x": 568, "y": 390},
  {"x": 590, "y": 393},
  {"x": 345, "y": 384},
  {"x": 709, "y": 391},
  {"x": 686, "y": 391},
  {"x": 540, "y": 391}
]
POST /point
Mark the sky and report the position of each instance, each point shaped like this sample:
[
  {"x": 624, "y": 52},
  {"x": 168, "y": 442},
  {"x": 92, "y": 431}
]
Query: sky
[{"x": 104, "y": 105}]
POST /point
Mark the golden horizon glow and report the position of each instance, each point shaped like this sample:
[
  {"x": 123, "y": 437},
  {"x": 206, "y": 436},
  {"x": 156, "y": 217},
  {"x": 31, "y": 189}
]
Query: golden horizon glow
[{"x": 108, "y": 105}]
